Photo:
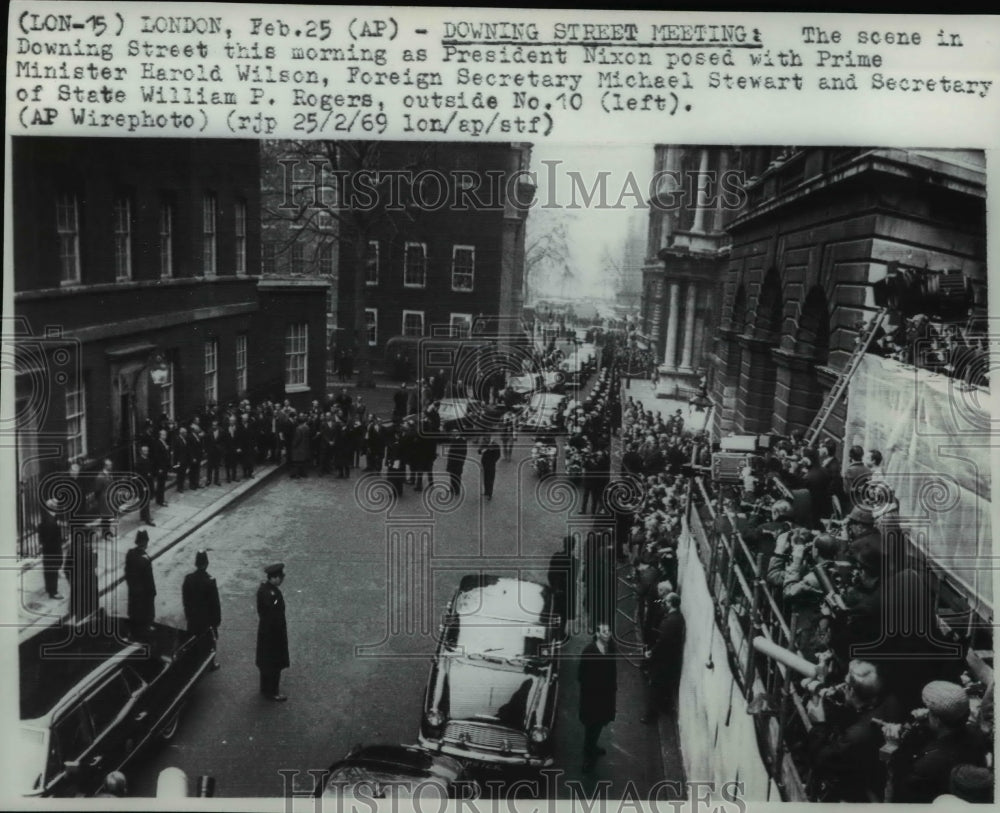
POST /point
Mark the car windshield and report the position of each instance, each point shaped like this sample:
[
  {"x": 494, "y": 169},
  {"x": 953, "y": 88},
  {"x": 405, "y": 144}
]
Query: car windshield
[{"x": 500, "y": 621}]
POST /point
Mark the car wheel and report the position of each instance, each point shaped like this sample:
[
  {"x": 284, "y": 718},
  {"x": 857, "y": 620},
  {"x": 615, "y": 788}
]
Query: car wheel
[{"x": 169, "y": 731}]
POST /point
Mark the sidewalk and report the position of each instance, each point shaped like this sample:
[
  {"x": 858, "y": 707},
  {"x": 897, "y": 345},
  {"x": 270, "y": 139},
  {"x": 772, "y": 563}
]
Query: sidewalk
[
  {"x": 643, "y": 391},
  {"x": 183, "y": 515}
]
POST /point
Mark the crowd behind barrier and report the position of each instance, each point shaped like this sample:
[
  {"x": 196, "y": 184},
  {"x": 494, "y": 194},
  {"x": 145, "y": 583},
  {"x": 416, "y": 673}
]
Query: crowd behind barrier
[{"x": 810, "y": 557}]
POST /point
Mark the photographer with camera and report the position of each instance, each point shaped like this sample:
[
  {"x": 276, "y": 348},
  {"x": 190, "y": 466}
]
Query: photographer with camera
[
  {"x": 845, "y": 740},
  {"x": 940, "y": 738}
]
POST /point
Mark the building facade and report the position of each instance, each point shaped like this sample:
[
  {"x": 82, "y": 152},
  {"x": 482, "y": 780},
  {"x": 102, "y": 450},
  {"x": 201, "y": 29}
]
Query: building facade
[
  {"x": 822, "y": 228},
  {"x": 138, "y": 294},
  {"x": 697, "y": 195},
  {"x": 456, "y": 255}
]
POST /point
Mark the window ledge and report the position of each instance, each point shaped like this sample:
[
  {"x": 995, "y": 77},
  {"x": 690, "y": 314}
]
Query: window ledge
[{"x": 293, "y": 388}]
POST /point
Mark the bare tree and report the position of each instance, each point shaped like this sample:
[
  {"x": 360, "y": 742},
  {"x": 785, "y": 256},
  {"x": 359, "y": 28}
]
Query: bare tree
[{"x": 547, "y": 256}]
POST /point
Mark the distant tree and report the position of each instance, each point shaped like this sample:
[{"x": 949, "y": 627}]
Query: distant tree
[{"x": 547, "y": 258}]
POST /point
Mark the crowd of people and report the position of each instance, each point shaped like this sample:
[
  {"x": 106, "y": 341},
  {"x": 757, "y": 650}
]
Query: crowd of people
[{"x": 837, "y": 563}]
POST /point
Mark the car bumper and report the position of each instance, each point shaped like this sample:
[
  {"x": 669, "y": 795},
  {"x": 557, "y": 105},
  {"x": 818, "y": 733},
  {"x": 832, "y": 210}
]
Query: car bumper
[{"x": 484, "y": 756}]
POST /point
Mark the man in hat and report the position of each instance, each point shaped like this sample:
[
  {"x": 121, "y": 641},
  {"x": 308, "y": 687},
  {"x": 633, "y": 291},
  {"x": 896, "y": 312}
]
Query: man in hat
[
  {"x": 272, "y": 633},
  {"x": 51, "y": 540},
  {"x": 141, "y": 586},
  {"x": 862, "y": 533},
  {"x": 200, "y": 596},
  {"x": 458, "y": 450},
  {"x": 950, "y": 741}
]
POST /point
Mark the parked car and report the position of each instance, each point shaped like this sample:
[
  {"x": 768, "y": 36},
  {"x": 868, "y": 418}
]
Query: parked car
[
  {"x": 90, "y": 703},
  {"x": 492, "y": 690},
  {"x": 546, "y": 411},
  {"x": 398, "y": 771},
  {"x": 467, "y": 415}
]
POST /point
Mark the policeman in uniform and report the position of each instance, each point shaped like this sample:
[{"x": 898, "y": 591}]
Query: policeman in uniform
[
  {"x": 200, "y": 594},
  {"x": 272, "y": 633},
  {"x": 141, "y": 586}
]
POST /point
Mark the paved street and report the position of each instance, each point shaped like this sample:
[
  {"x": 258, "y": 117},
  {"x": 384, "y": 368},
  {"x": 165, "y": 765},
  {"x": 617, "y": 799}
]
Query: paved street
[{"x": 362, "y": 623}]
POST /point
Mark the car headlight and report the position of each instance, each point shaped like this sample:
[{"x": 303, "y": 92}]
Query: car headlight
[
  {"x": 435, "y": 718},
  {"x": 539, "y": 733}
]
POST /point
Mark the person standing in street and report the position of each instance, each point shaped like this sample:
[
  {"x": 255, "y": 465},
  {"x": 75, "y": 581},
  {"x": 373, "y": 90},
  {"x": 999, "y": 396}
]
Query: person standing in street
[
  {"x": 458, "y": 450},
  {"x": 272, "y": 633},
  {"x": 300, "y": 448},
  {"x": 196, "y": 449},
  {"x": 144, "y": 467},
  {"x": 81, "y": 571},
  {"x": 489, "y": 451},
  {"x": 215, "y": 441},
  {"x": 665, "y": 659},
  {"x": 182, "y": 459},
  {"x": 102, "y": 492},
  {"x": 200, "y": 596},
  {"x": 141, "y": 587},
  {"x": 161, "y": 454},
  {"x": 562, "y": 580},
  {"x": 598, "y": 678},
  {"x": 51, "y": 540}
]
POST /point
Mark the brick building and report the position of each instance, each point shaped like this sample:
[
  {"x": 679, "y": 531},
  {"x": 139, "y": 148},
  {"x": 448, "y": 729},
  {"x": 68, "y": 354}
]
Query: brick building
[
  {"x": 433, "y": 267},
  {"x": 138, "y": 292}
]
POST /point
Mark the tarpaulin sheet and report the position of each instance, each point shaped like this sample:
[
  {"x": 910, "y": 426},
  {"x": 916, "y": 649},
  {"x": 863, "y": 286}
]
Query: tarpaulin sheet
[
  {"x": 934, "y": 435},
  {"x": 717, "y": 734}
]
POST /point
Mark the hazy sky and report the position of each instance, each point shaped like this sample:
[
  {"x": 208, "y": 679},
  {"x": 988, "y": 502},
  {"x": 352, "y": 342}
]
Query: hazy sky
[{"x": 568, "y": 174}]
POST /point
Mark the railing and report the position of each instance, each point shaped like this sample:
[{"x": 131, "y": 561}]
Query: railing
[{"x": 747, "y": 609}]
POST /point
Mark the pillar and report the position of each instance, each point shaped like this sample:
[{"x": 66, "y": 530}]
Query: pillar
[
  {"x": 699, "y": 203},
  {"x": 688, "y": 346},
  {"x": 670, "y": 355}
]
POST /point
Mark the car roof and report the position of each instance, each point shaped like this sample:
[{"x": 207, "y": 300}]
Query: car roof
[
  {"x": 501, "y": 597},
  {"x": 546, "y": 399},
  {"x": 57, "y": 659}
]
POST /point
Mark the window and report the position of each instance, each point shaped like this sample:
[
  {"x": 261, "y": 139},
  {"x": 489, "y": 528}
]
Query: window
[
  {"x": 298, "y": 258},
  {"x": 371, "y": 263},
  {"x": 296, "y": 355},
  {"x": 268, "y": 258},
  {"x": 68, "y": 229},
  {"x": 241, "y": 364},
  {"x": 371, "y": 325},
  {"x": 166, "y": 238},
  {"x": 76, "y": 422},
  {"x": 107, "y": 703},
  {"x": 208, "y": 208},
  {"x": 167, "y": 393},
  {"x": 463, "y": 267},
  {"x": 71, "y": 737},
  {"x": 413, "y": 323},
  {"x": 415, "y": 265},
  {"x": 241, "y": 237},
  {"x": 123, "y": 237},
  {"x": 326, "y": 259},
  {"x": 211, "y": 372},
  {"x": 461, "y": 325}
]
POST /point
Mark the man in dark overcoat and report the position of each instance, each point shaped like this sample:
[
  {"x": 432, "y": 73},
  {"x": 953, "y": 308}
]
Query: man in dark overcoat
[
  {"x": 490, "y": 454},
  {"x": 598, "y": 677},
  {"x": 665, "y": 659},
  {"x": 562, "y": 580},
  {"x": 272, "y": 633},
  {"x": 50, "y": 538},
  {"x": 200, "y": 595},
  {"x": 458, "y": 450},
  {"x": 141, "y": 586},
  {"x": 81, "y": 571}
]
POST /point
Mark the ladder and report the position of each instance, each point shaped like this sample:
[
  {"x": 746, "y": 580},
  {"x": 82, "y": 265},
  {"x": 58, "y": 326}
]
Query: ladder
[{"x": 840, "y": 386}]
